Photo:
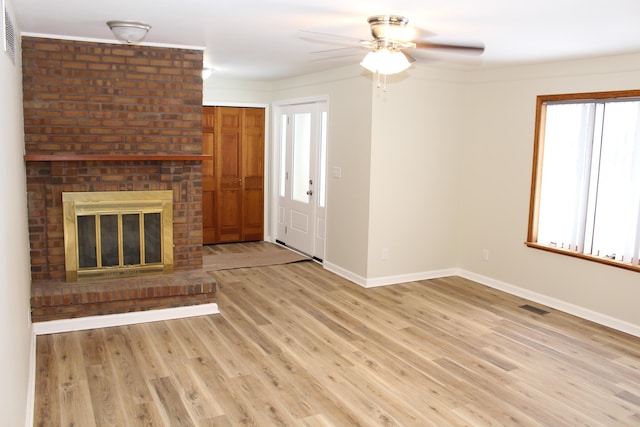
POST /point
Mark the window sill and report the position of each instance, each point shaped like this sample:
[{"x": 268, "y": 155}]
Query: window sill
[{"x": 598, "y": 259}]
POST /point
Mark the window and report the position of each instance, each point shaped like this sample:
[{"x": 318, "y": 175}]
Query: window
[{"x": 585, "y": 197}]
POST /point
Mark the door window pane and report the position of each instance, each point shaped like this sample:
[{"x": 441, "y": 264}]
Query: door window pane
[
  {"x": 283, "y": 157},
  {"x": 301, "y": 153}
]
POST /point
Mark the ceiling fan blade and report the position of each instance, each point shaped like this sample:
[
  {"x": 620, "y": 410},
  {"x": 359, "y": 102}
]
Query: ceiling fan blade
[
  {"x": 421, "y": 33},
  {"x": 343, "y": 43},
  {"x": 478, "y": 50},
  {"x": 410, "y": 58},
  {"x": 330, "y": 35},
  {"x": 349, "y": 56},
  {"x": 337, "y": 49}
]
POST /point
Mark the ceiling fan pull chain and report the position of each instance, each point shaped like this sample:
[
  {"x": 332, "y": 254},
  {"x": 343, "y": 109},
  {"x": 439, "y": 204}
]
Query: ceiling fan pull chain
[{"x": 382, "y": 81}]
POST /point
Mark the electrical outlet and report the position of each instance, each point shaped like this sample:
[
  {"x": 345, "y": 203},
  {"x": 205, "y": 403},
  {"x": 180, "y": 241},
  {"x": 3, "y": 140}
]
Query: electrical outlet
[
  {"x": 384, "y": 254},
  {"x": 485, "y": 254}
]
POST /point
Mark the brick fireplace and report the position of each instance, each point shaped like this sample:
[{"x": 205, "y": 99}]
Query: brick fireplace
[{"x": 104, "y": 117}]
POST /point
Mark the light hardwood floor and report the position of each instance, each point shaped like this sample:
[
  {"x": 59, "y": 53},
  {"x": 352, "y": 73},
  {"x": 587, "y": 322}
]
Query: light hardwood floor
[{"x": 296, "y": 345}]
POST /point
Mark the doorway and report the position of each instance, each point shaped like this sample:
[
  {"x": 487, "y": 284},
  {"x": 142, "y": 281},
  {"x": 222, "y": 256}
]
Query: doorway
[
  {"x": 233, "y": 174},
  {"x": 301, "y": 178}
]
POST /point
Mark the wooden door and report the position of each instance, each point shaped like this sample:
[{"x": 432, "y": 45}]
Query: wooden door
[
  {"x": 233, "y": 200},
  {"x": 253, "y": 174},
  {"x": 208, "y": 177},
  {"x": 228, "y": 158}
]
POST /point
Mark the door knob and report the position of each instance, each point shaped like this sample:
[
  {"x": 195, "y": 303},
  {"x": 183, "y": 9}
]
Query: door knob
[{"x": 309, "y": 193}]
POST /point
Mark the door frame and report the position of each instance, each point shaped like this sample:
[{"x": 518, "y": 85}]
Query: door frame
[{"x": 274, "y": 144}]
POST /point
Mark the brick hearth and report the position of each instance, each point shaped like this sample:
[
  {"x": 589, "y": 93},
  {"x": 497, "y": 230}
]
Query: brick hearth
[
  {"x": 53, "y": 300},
  {"x": 109, "y": 117}
]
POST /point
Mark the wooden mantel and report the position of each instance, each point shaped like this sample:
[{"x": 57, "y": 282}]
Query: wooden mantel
[{"x": 112, "y": 157}]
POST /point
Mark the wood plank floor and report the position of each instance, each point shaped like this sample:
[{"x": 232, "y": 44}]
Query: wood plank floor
[{"x": 295, "y": 345}]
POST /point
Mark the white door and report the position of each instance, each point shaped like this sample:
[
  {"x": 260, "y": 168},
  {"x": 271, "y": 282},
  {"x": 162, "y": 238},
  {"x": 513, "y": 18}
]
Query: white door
[{"x": 302, "y": 173}]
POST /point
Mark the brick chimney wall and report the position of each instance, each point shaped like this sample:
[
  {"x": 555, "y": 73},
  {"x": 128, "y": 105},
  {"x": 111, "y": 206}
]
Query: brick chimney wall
[{"x": 110, "y": 99}]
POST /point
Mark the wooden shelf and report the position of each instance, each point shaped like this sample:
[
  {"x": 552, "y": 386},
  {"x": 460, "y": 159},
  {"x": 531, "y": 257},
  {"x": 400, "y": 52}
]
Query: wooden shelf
[{"x": 111, "y": 157}]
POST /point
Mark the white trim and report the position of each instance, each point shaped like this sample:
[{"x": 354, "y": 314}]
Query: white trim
[
  {"x": 108, "y": 320},
  {"x": 110, "y": 41},
  {"x": 237, "y": 104},
  {"x": 305, "y": 100},
  {"x": 389, "y": 280},
  {"x": 566, "y": 307},
  {"x": 31, "y": 384},
  {"x": 358, "y": 280},
  {"x": 403, "y": 278}
]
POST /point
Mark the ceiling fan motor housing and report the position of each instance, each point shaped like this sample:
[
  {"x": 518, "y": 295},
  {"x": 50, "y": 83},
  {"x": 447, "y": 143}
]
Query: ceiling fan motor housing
[
  {"x": 380, "y": 24},
  {"x": 389, "y": 32}
]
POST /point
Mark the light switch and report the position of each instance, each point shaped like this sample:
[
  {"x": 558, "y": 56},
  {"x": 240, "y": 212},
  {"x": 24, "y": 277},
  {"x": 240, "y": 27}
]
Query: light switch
[{"x": 336, "y": 172}]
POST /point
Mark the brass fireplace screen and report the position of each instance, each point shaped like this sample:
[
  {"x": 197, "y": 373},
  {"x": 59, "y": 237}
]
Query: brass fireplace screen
[{"x": 116, "y": 233}]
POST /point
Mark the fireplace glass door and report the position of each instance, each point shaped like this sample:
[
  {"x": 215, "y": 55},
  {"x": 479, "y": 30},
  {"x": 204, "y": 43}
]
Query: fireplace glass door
[
  {"x": 112, "y": 240},
  {"x": 117, "y": 233}
]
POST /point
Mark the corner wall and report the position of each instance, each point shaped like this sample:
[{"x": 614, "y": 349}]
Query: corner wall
[
  {"x": 497, "y": 148},
  {"x": 15, "y": 325},
  {"x": 415, "y": 172}
]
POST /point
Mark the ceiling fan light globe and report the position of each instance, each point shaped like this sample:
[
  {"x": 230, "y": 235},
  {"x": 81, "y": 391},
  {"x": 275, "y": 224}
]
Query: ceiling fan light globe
[
  {"x": 385, "y": 61},
  {"x": 370, "y": 63}
]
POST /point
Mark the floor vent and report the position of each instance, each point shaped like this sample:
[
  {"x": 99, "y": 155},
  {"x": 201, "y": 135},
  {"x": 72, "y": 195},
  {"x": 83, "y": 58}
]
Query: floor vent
[
  {"x": 9, "y": 35},
  {"x": 535, "y": 310}
]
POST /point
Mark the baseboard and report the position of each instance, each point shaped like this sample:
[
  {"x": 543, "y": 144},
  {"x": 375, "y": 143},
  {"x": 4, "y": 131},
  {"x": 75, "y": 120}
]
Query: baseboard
[
  {"x": 352, "y": 277},
  {"x": 120, "y": 319},
  {"x": 403, "y": 278},
  {"x": 31, "y": 385},
  {"x": 388, "y": 280},
  {"x": 575, "y": 310}
]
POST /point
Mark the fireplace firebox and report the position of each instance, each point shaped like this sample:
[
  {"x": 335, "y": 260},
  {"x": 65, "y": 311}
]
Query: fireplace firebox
[{"x": 117, "y": 233}]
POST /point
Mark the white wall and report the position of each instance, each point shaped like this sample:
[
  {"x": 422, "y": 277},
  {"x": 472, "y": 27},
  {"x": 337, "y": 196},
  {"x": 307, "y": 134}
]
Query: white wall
[
  {"x": 235, "y": 92},
  {"x": 496, "y": 170},
  {"x": 414, "y": 174},
  {"x": 349, "y": 147},
  {"x": 15, "y": 324}
]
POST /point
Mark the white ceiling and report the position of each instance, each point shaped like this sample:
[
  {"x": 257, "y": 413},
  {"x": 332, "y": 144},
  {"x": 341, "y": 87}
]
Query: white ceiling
[{"x": 265, "y": 39}]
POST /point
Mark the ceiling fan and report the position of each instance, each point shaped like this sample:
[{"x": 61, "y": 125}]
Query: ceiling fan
[{"x": 392, "y": 37}]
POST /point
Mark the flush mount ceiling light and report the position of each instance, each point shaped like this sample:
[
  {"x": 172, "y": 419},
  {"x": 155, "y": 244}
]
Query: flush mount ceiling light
[{"x": 129, "y": 32}]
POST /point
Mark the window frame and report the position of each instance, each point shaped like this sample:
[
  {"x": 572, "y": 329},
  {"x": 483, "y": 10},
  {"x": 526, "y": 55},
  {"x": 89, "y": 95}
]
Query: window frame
[{"x": 536, "y": 177}]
